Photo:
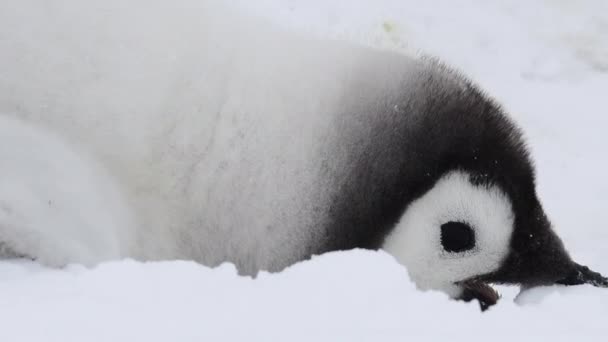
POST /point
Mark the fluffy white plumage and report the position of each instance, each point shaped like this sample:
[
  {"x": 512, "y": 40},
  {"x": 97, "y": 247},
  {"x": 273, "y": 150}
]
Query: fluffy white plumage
[
  {"x": 56, "y": 203},
  {"x": 212, "y": 125}
]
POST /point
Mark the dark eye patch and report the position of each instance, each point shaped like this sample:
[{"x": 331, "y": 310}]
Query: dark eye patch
[{"x": 457, "y": 237}]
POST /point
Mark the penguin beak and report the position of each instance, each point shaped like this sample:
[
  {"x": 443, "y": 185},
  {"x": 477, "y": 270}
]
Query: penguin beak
[
  {"x": 583, "y": 275},
  {"x": 487, "y": 296},
  {"x": 537, "y": 258},
  {"x": 478, "y": 289},
  {"x": 475, "y": 289}
]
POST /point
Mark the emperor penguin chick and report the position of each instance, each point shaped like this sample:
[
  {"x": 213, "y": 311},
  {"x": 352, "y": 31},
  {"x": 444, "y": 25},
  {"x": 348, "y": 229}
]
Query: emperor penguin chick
[{"x": 223, "y": 139}]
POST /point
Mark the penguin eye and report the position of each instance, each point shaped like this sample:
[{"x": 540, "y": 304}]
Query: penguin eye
[{"x": 457, "y": 237}]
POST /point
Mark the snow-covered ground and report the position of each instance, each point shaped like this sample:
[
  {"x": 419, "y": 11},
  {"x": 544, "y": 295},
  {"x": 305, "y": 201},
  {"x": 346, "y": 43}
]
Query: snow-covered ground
[{"x": 546, "y": 61}]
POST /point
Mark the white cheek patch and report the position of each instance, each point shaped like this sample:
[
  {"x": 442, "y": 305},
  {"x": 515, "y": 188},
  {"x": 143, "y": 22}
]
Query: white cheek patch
[{"x": 416, "y": 240}]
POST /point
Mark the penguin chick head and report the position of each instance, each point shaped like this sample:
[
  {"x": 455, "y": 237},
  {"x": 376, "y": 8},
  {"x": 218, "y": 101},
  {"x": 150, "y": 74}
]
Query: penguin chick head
[
  {"x": 462, "y": 235},
  {"x": 475, "y": 219},
  {"x": 454, "y": 233}
]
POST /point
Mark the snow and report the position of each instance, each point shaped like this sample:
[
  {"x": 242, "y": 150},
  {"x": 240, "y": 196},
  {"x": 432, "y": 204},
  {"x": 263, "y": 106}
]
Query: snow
[
  {"x": 354, "y": 296},
  {"x": 545, "y": 61}
]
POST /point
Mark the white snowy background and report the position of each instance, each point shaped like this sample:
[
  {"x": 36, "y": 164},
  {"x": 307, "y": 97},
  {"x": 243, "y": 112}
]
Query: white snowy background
[{"x": 545, "y": 61}]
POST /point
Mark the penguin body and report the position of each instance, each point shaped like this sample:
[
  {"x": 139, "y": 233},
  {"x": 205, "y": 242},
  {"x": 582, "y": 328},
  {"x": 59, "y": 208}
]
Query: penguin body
[
  {"x": 235, "y": 146},
  {"x": 234, "y": 141}
]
